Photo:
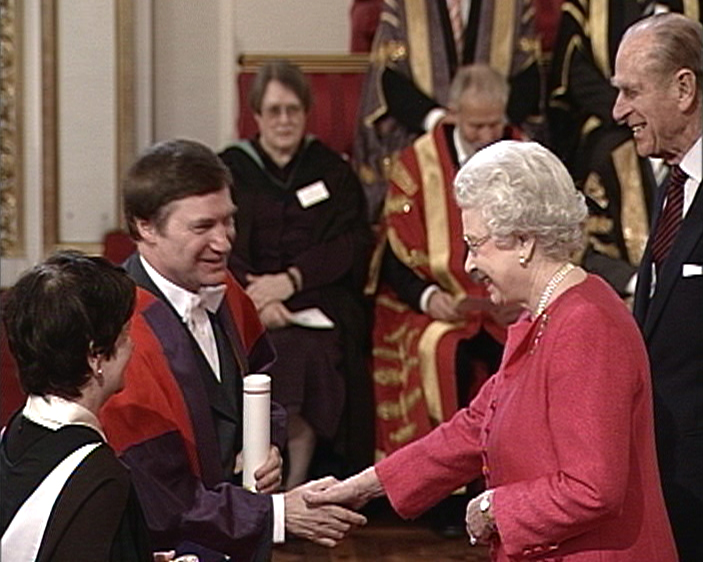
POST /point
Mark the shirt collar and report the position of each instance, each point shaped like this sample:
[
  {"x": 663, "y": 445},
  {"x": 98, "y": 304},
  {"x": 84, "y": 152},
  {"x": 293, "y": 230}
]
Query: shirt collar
[
  {"x": 181, "y": 299},
  {"x": 54, "y": 412},
  {"x": 692, "y": 162},
  {"x": 461, "y": 153}
]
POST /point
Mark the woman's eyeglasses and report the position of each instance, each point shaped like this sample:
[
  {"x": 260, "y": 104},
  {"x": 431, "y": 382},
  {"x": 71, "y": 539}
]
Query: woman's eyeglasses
[{"x": 473, "y": 245}]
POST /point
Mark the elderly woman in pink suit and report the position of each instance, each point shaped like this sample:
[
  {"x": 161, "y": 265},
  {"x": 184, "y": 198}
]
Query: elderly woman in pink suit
[{"x": 563, "y": 432}]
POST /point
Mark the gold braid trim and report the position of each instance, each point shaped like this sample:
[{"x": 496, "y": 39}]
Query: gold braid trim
[
  {"x": 416, "y": 19},
  {"x": 503, "y": 36},
  {"x": 633, "y": 209},
  {"x": 399, "y": 410},
  {"x": 410, "y": 257},
  {"x": 599, "y": 35},
  {"x": 404, "y": 434},
  {"x": 400, "y": 176},
  {"x": 427, "y": 351},
  {"x": 437, "y": 207},
  {"x": 691, "y": 8},
  {"x": 593, "y": 188}
]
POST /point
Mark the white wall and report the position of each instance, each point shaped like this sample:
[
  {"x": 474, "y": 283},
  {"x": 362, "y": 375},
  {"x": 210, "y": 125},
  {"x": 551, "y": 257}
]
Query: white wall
[
  {"x": 197, "y": 44},
  {"x": 87, "y": 116},
  {"x": 299, "y": 26}
]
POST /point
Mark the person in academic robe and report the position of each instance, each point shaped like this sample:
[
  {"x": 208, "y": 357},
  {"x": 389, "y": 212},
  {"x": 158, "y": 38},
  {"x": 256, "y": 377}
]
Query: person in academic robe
[
  {"x": 65, "y": 496},
  {"x": 178, "y": 422},
  {"x": 600, "y": 153},
  {"x": 302, "y": 244},
  {"x": 417, "y": 50},
  {"x": 659, "y": 77},
  {"x": 563, "y": 433},
  {"x": 436, "y": 335}
]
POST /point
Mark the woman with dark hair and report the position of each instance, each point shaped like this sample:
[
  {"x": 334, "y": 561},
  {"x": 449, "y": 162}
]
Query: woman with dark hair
[{"x": 65, "y": 496}]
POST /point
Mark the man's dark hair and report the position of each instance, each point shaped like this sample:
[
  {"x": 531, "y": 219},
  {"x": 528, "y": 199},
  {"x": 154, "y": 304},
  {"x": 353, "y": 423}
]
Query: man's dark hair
[
  {"x": 166, "y": 172},
  {"x": 58, "y": 313},
  {"x": 286, "y": 73}
]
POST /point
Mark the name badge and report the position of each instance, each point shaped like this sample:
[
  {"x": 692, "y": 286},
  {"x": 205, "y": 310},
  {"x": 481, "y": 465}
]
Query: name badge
[
  {"x": 312, "y": 194},
  {"x": 692, "y": 270}
]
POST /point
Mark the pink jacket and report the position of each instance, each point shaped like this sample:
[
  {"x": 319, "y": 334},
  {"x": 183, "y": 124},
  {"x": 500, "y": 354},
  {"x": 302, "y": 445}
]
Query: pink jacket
[{"x": 564, "y": 435}]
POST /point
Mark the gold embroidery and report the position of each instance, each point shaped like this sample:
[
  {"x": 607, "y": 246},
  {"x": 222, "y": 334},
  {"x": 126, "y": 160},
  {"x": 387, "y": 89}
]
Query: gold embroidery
[
  {"x": 599, "y": 225},
  {"x": 633, "y": 207},
  {"x": 416, "y": 18},
  {"x": 390, "y": 51},
  {"x": 591, "y": 124},
  {"x": 400, "y": 176},
  {"x": 399, "y": 410},
  {"x": 692, "y": 9},
  {"x": 599, "y": 35},
  {"x": 593, "y": 188},
  {"x": 502, "y": 37},
  {"x": 404, "y": 434},
  {"x": 610, "y": 250},
  {"x": 411, "y": 257},
  {"x": 438, "y": 204}
]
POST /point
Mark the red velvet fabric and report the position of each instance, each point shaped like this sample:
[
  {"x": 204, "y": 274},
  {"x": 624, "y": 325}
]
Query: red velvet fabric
[
  {"x": 118, "y": 246},
  {"x": 11, "y": 394}
]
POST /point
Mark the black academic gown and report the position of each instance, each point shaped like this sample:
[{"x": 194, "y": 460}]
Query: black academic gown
[{"x": 96, "y": 515}]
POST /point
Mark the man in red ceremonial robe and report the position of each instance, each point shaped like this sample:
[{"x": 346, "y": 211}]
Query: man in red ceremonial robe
[{"x": 178, "y": 422}]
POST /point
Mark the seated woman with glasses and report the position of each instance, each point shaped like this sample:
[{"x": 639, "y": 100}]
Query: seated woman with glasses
[
  {"x": 302, "y": 244},
  {"x": 65, "y": 496},
  {"x": 563, "y": 433}
]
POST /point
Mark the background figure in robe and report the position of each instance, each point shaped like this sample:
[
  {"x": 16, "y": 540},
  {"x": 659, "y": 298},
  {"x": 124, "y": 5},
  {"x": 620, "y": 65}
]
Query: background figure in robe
[
  {"x": 600, "y": 153},
  {"x": 436, "y": 335},
  {"x": 659, "y": 77},
  {"x": 178, "y": 422},
  {"x": 303, "y": 242},
  {"x": 417, "y": 49},
  {"x": 68, "y": 328},
  {"x": 563, "y": 432}
]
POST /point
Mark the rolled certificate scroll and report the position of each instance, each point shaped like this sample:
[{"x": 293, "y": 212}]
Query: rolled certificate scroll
[{"x": 257, "y": 426}]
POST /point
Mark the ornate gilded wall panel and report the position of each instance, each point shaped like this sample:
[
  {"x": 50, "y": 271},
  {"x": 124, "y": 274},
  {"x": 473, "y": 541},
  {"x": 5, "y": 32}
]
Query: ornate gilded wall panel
[{"x": 11, "y": 223}]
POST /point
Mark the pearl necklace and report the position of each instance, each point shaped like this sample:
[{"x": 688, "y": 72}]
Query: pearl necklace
[{"x": 551, "y": 285}]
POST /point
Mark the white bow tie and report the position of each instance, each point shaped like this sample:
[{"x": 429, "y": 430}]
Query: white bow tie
[{"x": 207, "y": 299}]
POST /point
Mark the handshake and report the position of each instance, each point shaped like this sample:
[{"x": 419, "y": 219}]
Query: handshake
[{"x": 324, "y": 510}]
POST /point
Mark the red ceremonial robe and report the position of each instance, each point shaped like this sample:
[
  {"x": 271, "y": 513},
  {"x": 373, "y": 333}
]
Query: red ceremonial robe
[
  {"x": 162, "y": 427},
  {"x": 414, "y": 356}
]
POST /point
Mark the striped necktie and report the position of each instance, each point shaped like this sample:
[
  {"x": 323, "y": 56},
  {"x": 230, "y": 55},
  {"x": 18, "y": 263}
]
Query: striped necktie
[
  {"x": 457, "y": 19},
  {"x": 671, "y": 217}
]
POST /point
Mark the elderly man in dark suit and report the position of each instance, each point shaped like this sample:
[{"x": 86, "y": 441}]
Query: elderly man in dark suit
[{"x": 658, "y": 72}]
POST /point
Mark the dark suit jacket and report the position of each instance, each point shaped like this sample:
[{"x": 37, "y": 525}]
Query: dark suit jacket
[{"x": 672, "y": 324}]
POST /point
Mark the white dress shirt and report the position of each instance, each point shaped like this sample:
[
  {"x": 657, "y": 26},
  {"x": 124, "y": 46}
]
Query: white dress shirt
[{"x": 193, "y": 309}]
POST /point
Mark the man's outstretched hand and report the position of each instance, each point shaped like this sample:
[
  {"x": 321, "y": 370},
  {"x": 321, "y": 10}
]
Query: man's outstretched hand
[
  {"x": 354, "y": 492},
  {"x": 322, "y": 523}
]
